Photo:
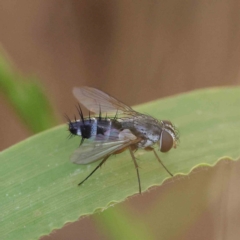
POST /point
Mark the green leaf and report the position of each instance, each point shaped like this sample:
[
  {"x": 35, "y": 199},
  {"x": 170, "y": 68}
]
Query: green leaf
[
  {"x": 39, "y": 189},
  {"x": 26, "y": 96}
]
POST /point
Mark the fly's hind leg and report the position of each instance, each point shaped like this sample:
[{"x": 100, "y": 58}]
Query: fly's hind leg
[
  {"x": 95, "y": 169},
  {"x": 161, "y": 162},
  {"x": 136, "y": 166}
]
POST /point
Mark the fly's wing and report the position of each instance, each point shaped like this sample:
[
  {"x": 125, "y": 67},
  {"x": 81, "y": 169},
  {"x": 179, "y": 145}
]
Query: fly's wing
[
  {"x": 93, "y": 151},
  {"x": 99, "y": 147},
  {"x": 96, "y": 100}
]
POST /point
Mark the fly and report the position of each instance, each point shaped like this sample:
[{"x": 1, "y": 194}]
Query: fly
[{"x": 119, "y": 129}]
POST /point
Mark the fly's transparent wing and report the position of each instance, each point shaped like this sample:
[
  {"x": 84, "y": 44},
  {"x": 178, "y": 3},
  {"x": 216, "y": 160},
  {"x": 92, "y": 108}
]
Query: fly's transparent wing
[
  {"x": 94, "y": 100},
  {"x": 100, "y": 146},
  {"x": 93, "y": 151}
]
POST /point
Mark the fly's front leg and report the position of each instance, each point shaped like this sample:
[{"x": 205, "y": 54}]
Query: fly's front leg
[{"x": 161, "y": 162}]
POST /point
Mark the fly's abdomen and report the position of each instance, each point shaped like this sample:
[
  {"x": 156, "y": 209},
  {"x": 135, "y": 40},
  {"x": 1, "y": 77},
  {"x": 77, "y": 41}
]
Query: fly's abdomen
[
  {"x": 103, "y": 126},
  {"x": 109, "y": 128},
  {"x": 86, "y": 128},
  {"x": 90, "y": 127}
]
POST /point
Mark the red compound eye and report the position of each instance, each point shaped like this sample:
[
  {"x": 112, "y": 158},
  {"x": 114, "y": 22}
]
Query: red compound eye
[{"x": 166, "y": 141}]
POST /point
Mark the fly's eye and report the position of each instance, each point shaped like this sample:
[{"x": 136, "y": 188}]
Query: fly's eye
[{"x": 166, "y": 141}]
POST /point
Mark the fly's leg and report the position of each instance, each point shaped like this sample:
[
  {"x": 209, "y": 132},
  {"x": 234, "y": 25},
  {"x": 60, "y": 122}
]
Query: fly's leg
[
  {"x": 95, "y": 169},
  {"x": 136, "y": 166},
  {"x": 162, "y": 163}
]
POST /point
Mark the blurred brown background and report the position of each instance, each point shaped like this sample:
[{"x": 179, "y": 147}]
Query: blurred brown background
[{"x": 135, "y": 50}]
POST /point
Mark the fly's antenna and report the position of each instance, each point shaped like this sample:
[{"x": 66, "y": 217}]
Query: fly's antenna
[
  {"x": 75, "y": 118},
  {"x": 80, "y": 112},
  {"x": 106, "y": 117}
]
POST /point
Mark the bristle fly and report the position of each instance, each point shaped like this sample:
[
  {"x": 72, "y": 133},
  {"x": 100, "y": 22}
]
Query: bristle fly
[{"x": 115, "y": 127}]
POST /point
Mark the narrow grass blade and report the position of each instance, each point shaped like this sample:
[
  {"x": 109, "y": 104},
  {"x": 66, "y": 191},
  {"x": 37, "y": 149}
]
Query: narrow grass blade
[{"x": 38, "y": 184}]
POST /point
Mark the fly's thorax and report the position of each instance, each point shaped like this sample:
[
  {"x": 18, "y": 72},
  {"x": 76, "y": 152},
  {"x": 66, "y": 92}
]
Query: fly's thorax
[
  {"x": 148, "y": 128},
  {"x": 144, "y": 127},
  {"x": 168, "y": 138}
]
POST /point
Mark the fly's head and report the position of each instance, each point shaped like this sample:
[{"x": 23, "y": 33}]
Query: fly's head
[{"x": 169, "y": 136}]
